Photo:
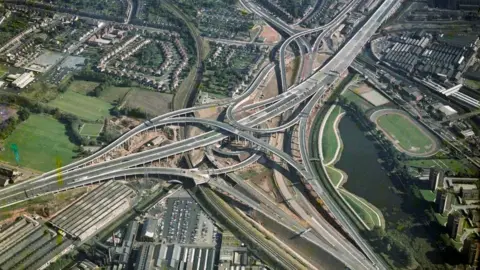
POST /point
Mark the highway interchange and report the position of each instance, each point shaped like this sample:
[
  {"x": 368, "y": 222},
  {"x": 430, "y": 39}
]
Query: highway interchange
[{"x": 313, "y": 90}]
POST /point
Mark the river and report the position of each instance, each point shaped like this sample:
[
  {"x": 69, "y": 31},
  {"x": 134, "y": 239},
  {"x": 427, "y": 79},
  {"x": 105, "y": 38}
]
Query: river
[
  {"x": 404, "y": 213},
  {"x": 366, "y": 178}
]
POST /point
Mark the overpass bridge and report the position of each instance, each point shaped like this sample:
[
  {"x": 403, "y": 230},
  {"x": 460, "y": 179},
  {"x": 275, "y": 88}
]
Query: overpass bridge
[{"x": 314, "y": 88}]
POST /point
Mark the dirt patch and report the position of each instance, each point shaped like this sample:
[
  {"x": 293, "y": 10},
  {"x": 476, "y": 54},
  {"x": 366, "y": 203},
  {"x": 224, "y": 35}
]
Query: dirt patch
[
  {"x": 196, "y": 156},
  {"x": 363, "y": 88},
  {"x": 320, "y": 58},
  {"x": 269, "y": 35},
  {"x": 47, "y": 207},
  {"x": 271, "y": 88},
  {"x": 25, "y": 173},
  {"x": 209, "y": 113}
]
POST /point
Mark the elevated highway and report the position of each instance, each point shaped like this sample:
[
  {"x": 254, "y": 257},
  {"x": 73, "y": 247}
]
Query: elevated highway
[{"x": 83, "y": 172}]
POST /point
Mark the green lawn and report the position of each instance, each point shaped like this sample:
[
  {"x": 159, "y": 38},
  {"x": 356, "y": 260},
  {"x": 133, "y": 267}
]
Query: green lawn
[
  {"x": 85, "y": 107},
  {"x": 115, "y": 94},
  {"x": 3, "y": 70},
  {"x": 406, "y": 134},
  {"x": 91, "y": 130},
  {"x": 40, "y": 141},
  {"x": 358, "y": 100},
  {"x": 455, "y": 165},
  {"x": 427, "y": 195},
  {"x": 442, "y": 220},
  {"x": 366, "y": 214},
  {"x": 82, "y": 87},
  {"x": 329, "y": 140},
  {"x": 472, "y": 84},
  {"x": 334, "y": 175},
  {"x": 153, "y": 103}
]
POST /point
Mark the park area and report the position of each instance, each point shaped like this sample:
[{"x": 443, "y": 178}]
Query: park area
[
  {"x": 152, "y": 102},
  {"x": 82, "y": 87},
  {"x": 370, "y": 215},
  {"x": 84, "y": 107},
  {"x": 91, "y": 130},
  {"x": 330, "y": 142},
  {"x": 40, "y": 141},
  {"x": 458, "y": 166},
  {"x": 406, "y": 135}
]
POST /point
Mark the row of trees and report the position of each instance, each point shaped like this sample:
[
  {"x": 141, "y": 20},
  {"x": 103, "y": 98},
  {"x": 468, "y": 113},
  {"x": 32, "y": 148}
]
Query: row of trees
[
  {"x": 9, "y": 125},
  {"x": 387, "y": 151}
]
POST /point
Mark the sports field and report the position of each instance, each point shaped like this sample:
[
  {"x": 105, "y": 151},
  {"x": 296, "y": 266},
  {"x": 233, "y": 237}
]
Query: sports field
[
  {"x": 330, "y": 142},
  {"x": 91, "y": 130},
  {"x": 405, "y": 134},
  {"x": 40, "y": 141},
  {"x": 85, "y": 107}
]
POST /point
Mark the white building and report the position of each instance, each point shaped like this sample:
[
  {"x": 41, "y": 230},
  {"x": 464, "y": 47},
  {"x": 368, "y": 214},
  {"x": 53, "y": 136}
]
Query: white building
[{"x": 24, "y": 80}]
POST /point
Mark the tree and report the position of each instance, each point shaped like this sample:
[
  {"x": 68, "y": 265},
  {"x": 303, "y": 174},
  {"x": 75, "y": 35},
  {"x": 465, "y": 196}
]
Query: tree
[{"x": 23, "y": 114}]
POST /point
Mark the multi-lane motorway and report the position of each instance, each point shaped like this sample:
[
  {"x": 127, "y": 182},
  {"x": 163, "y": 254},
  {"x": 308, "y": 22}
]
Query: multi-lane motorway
[{"x": 94, "y": 168}]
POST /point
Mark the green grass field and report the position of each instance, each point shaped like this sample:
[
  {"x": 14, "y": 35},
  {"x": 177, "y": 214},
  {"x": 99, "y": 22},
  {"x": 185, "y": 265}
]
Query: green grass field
[
  {"x": 86, "y": 108},
  {"x": 153, "y": 103},
  {"x": 427, "y": 195},
  {"x": 3, "y": 70},
  {"x": 366, "y": 214},
  {"x": 82, "y": 87},
  {"x": 458, "y": 166},
  {"x": 329, "y": 140},
  {"x": 358, "y": 100},
  {"x": 40, "y": 141},
  {"x": 91, "y": 130},
  {"x": 469, "y": 83},
  {"x": 334, "y": 175},
  {"x": 406, "y": 134},
  {"x": 115, "y": 94}
]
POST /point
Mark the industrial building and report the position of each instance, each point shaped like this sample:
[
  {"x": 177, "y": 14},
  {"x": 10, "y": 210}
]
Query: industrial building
[
  {"x": 145, "y": 257},
  {"x": 182, "y": 257},
  {"x": 440, "y": 56},
  {"x": 94, "y": 210},
  {"x": 23, "y": 80},
  {"x": 455, "y": 4},
  {"x": 122, "y": 253},
  {"x": 149, "y": 229},
  {"x": 27, "y": 245}
]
